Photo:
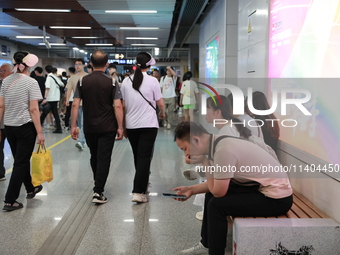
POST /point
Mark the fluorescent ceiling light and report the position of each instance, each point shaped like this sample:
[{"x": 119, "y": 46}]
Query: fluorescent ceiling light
[
  {"x": 82, "y": 51},
  {"x": 31, "y": 37},
  {"x": 59, "y": 27},
  {"x": 8, "y": 26},
  {"x": 85, "y": 37},
  {"x": 54, "y": 44},
  {"x": 141, "y": 38},
  {"x": 42, "y": 10},
  {"x": 143, "y": 44},
  {"x": 138, "y": 28},
  {"x": 99, "y": 44},
  {"x": 130, "y": 11},
  {"x": 75, "y": 48}
]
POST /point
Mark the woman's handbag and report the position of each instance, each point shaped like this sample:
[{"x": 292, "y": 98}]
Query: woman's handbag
[
  {"x": 42, "y": 167},
  {"x": 45, "y": 108}
]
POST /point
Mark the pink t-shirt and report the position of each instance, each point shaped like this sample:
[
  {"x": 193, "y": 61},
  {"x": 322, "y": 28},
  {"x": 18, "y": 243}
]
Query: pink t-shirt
[{"x": 246, "y": 162}]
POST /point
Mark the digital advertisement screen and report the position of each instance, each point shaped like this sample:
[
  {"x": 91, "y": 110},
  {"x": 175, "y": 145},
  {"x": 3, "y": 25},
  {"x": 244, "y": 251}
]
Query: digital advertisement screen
[
  {"x": 304, "y": 53},
  {"x": 212, "y": 59}
]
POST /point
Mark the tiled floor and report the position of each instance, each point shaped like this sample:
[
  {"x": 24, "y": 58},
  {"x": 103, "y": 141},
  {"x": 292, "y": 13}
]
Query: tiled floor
[{"x": 62, "y": 220}]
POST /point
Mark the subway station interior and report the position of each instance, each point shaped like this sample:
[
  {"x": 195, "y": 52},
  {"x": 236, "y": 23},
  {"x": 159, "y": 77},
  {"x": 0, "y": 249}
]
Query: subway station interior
[{"x": 287, "y": 49}]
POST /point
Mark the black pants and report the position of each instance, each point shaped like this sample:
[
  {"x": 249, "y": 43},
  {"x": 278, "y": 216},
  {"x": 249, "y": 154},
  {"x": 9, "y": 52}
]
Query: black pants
[
  {"x": 54, "y": 109},
  {"x": 21, "y": 140},
  {"x": 68, "y": 114},
  {"x": 239, "y": 201},
  {"x": 142, "y": 141},
  {"x": 2, "y": 155},
  {"x": 101, "y": 146}
]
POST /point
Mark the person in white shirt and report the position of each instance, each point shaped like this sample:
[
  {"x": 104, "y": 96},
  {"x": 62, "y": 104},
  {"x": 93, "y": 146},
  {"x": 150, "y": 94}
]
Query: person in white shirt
[
  {"x": 141, "y": 94},
  {"x": 52, "y": 96},
  {"x": 168, "y": 86},
  {"x": 189, "y": 96}
]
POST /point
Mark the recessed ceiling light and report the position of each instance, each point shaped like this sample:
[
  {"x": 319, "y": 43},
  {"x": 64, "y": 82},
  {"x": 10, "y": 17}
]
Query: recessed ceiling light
[
  {"x": 143, "y": 44},
  {"x": 8, "y": 26},
  {"x": 141, "y": 38},
  {"x": 130, "y": 11},
  {"x": 54, "y": 44},
  {"x": 59, "y": 27},
  {"x": 31, "y": 37},
  {"x": 134, "y": 28},
  {"x": 99, "y": 44},
  {"x": 85, "y": 37},
  {"x": 42, "y": 10}
]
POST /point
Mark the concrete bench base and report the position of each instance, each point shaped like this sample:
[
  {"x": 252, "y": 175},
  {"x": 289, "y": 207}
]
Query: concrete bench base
[{"x": 275, "y": 236}]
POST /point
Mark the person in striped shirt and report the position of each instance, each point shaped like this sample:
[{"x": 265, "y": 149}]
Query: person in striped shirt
[{"x": 19, "y": 96}]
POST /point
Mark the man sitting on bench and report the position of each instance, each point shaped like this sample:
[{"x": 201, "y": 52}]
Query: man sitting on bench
[{"x": 242, "y": 180}]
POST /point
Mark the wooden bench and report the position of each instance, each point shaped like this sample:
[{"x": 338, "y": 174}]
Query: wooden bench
[{"x": 301, "y": 208}]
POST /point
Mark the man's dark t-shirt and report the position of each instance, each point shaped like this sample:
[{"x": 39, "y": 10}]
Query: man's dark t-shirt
[
  {"x": 97, "y": 92},
  {"x": 41, "y": 81}
]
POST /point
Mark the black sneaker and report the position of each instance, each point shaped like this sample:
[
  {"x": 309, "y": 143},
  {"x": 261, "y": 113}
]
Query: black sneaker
[
  {"x": 99, "y": 198},
  {"x": 36, "y": 191},
  {"x": 57, "y": 131},
  {"x": 14, "y": 206}
]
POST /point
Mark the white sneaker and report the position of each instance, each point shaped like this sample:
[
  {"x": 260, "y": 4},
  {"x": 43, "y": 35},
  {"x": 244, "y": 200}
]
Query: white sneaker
[
  {"x": 168, "y": 126},
  {"x": 199, "y": 215},
  {"x": 79, "y": 145},
  {"x": 139, "y": 198},
  {"x": 99, "y": 198},
  {"x": 198, "y": 249},
  {"x": 165, "y": 123}
]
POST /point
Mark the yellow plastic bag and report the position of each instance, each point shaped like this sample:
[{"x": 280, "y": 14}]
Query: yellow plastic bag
[{"x": 42, "y": 167}]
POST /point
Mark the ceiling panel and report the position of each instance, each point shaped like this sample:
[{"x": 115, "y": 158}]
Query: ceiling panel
[{"x": 91, "y": 13}]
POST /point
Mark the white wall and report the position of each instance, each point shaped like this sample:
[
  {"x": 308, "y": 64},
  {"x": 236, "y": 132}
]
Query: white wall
[
  {"x": 252, "y": 46},
  {"x": 319, "y": 188},
  {"x": 221, "y": 21}
]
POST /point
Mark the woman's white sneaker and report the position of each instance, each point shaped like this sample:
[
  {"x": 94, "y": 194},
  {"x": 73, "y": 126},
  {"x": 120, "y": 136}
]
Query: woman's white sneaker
[
  {"x": 139, "y": 198},
  {"x": 198, "y": 249}
]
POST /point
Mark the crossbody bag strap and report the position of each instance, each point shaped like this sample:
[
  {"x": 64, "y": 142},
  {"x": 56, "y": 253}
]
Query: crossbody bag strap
[
  {"x": 222, "y": 137},
  {"x": 144, "y": 97},
  {"x": 55, "y": 81},
  {"x": 15, "y": 81}
]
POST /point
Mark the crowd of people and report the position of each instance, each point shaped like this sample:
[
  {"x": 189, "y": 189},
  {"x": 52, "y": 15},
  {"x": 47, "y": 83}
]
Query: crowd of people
[{"x": 131, "y": 107}]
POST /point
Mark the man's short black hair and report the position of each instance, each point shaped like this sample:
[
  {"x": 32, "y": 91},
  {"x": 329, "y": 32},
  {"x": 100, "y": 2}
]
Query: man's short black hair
[
  {"x": 39, "y": 69},
  {"x": 112, "y": 66},
  {"x": 79, "y": 60},
  {"x": 71, "y": 69},
  {"x": 186, "y": 129},
  {"x": 49, "y": 68}
]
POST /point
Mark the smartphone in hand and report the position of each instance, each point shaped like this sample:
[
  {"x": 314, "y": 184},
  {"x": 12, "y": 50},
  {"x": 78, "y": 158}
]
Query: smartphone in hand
[{"x": 174, "y": 195}]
